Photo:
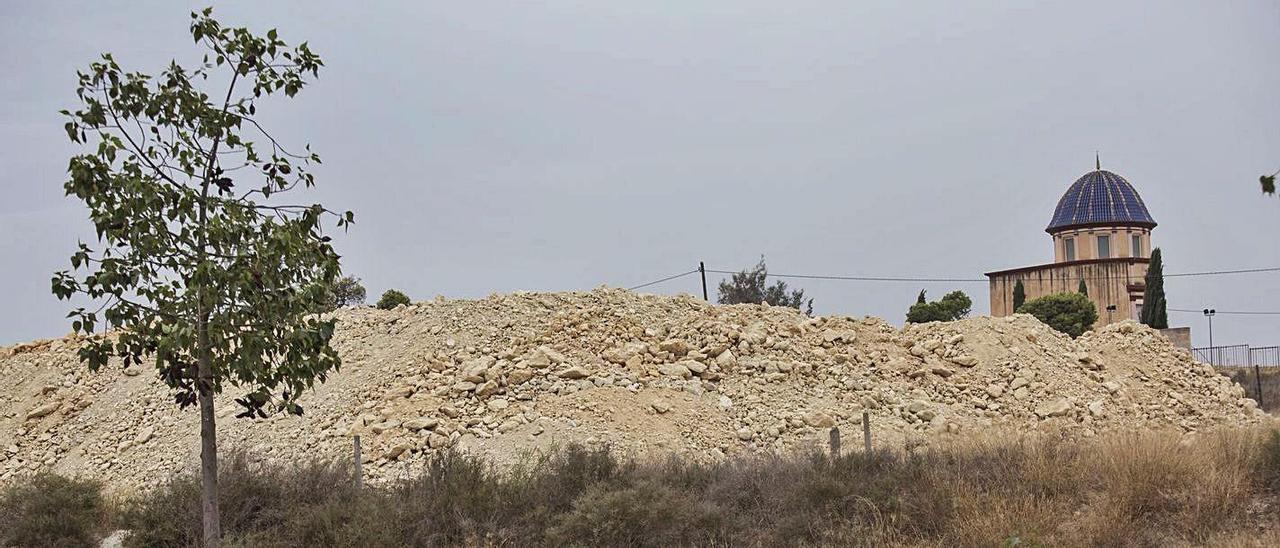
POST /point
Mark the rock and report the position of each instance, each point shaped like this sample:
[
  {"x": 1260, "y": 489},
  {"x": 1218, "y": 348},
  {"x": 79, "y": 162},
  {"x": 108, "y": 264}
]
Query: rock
[
  {"x": 497, "y": 404},
  {"x": 817, "y": 419},
  {"x": 726, "y": 360},
  {"x": 519, "y": 376},
  {"x": 919, "y": 351},
  {"x": 575, "y": 372},
  {"x": 695, "y": 367},
  {"x": 660, "y": 405},
  {"x": 1018, "y": 382},
  {"x": 145, "y": 435},
  {"x": 1055, "y": 408},
  {"x": 675, "y": 370},
  {"x": 1095, "y": 408},
  {"x": 437, "y": 441},
  {"x": 916, "y": 407},
  {"x": 396, "y": 450},
  {"x": 486, "y": 389},
  {"x": 473, "y": 370},
  {"x": 44, "y": 410},
  {"x": 745, "y": 434},
  {"x": 834, "y": 336},
  {"x": 965, "y": 360},
  {"x": 995, "y": 390},
  {"x": 675, "y": 346},
  {"x": 421, "y": 423},
  {"x": 942, "y": 371}
]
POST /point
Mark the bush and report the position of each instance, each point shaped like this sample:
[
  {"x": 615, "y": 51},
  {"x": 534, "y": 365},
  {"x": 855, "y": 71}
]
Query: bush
[
  {"x": 1070, "y": 313},
  {"x": 749, "y": 287},
  {"x": 51, "y": 510},
  {"x": 391, "y": 299},
  {"x": 953, "y": 306}
]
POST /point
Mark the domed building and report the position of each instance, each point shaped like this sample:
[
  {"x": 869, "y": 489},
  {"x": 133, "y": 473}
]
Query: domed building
[{"x": 1101, "y": 233}]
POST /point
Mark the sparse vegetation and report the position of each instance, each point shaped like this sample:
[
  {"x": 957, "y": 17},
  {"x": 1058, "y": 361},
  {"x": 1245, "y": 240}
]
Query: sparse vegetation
[
  {"x": 751, "y": 287},
  {"x": 1270, "y": 381},
  {"x": 392, "y": 298},
  {"x": 49, "y": 510},
  {"x": 1070, "y": 313},
  {"x": 1139, "y": 489},
  {"x": 952, "y": 306}
]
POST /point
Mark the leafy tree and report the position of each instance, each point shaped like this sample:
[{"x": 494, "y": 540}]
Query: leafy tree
[
  {"x": 346, "y": 291},
  {"x": 392, "y": 298},
  {"x": 1082, "y": 288},
  {"x": 1269, "y": 183},
  {"x": 749, "y": 287},
  {"x": 952, "y": 306},
  {"x": 920, "y": 299},
  {"x": 199, "y": 266},
  {"x": 1154, "y": 311},
  {"x": 1019, "y": 295},
  {"x": 1070, "y": 313}
]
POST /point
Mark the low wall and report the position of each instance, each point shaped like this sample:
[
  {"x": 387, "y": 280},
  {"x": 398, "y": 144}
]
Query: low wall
[{"x": 1179, "y": 336}]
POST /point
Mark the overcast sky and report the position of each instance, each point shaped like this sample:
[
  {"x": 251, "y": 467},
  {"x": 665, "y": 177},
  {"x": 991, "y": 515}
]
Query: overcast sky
[{"x": 561, "y": 146}]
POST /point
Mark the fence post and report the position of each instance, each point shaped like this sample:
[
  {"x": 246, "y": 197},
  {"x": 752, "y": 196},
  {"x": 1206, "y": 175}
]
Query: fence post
[
  {"x": 359, "y": 464},
  {"x": 702, "y": 268},
  {"x": 835, "y": 442},
  {"x": 866, "y": 432},
  {"x": 1257, "y": 378}
]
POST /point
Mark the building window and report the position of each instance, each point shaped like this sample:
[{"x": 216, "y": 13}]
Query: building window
[
  {"x": 1069, "y": 249},
  {"x": 1137, "y": 245},
  {"x": 1104, "y": 247}
]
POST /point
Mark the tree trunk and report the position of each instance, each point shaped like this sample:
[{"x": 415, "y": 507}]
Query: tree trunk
[{"x": 208, "y": 447}]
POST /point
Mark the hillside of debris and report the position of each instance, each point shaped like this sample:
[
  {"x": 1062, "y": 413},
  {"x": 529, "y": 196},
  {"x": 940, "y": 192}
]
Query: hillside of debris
[{"x": 644, "y": 374}]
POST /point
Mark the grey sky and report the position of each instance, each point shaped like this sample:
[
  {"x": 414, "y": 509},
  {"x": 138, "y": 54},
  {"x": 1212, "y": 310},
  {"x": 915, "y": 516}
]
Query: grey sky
[{"x": 488, "y": 148}]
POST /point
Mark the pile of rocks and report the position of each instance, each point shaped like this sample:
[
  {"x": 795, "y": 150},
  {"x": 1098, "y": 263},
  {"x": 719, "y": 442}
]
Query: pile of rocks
[{"x": 645, "y": 374}]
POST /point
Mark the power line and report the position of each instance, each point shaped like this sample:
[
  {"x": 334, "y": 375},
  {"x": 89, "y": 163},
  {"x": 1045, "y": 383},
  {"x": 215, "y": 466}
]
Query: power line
[
  {"x": 985, "y": 280},
  {"x": 667, "y": 279},
  {"x": 1234, "y": 312},
  {"x": 859, "y": 278}
]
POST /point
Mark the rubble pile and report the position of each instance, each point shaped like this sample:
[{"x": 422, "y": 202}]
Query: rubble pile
[{"x": 644, "y": 374}]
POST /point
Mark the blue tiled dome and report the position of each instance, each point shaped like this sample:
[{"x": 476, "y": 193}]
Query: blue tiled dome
[{"x": 1100, "y": 198}]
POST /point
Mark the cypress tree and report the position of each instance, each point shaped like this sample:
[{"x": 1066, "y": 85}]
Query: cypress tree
[
  {"x": 1019, "y": 295},
  {"x": 920, "y": 299},
  {"x": 1154, "y": 313},
  {"x": 1083, "y": 289}
]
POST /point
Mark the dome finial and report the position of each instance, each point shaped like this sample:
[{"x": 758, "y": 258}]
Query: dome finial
[{"x": 1097, "y": 158}]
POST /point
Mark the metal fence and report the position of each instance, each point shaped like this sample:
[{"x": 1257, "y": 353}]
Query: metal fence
[
  {"x": 1267, "y": 356},
  {"x": 1236, "y": 355},
  {"x": 1245, "y": 360}
]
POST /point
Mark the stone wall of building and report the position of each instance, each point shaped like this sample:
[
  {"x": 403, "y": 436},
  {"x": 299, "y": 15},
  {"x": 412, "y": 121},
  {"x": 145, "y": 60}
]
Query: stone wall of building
[
  {"x": 1118, "y": 282},
  {"x": 1179, "y": 336}
]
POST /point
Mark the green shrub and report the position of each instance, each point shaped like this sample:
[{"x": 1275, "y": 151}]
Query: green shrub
[
  {"x": 953, "y": 306},
  {"x": 50, "y": 510},
  {"x": 391, "y": 299},
  {"x": 1070, "y": 313}
]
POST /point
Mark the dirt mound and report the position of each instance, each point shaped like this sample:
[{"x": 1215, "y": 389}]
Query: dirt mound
[{"x": 642, "y": 373}]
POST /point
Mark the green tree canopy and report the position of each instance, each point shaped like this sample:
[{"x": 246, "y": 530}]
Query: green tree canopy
[
  {"x": 344, "y": 291},
  {"x": 952, "y": 306},
  {"x": 751, "y": 287},
  {"x": 1082, "y": 289},
  {"x": 1019, "y": 295},
  {"x": 392, "y": 298},
  {"x": 1154, "y": 312},
  {"x": 1070, "y": 313},
  {"x": 200, "y": 265}
]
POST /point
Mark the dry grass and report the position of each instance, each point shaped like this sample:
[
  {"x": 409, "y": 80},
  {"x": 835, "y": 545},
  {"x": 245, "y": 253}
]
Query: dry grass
[{"x": 1142, "y": 489}]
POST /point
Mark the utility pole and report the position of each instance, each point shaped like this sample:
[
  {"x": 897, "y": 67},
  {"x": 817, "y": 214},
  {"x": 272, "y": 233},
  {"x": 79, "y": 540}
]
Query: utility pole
[
  {"x": 1209, "y": 313},
  {"x": 702, "y": 268}
]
